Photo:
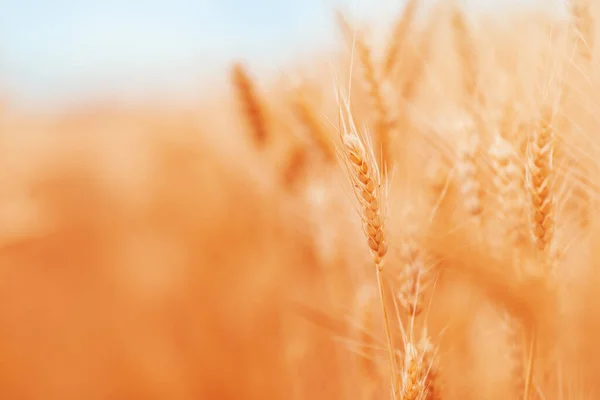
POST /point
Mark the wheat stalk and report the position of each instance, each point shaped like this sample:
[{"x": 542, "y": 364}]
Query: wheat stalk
[{"x": 368, "y": 362}]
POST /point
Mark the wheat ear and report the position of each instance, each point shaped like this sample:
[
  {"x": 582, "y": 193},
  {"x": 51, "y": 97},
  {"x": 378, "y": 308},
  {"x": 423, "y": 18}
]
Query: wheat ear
[
  {"x": 468, "y": 175},
  {"x": 295, "y": 165},
  {"x": 366, "y": 181},
  {"x": 380, "y": 95},
  {"x": 584, "y": 25},
  {"x": 414, "y": 277},
  {"x": 399, "y": 36},
  {"x": 416, "y": 70},
  {"x": 508, "y": 181},
  {"x": 252, "y": 106},
  {"x": 305, "y": 113},
  {"x": 540, "y": 184},
  {"x": 419, "y": 371},
  {"x": 469, "y": 64}
]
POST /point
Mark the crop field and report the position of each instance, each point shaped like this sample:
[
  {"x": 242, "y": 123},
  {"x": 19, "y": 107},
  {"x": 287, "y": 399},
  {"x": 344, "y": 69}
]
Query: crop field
[{"x": 411, "y": 215}]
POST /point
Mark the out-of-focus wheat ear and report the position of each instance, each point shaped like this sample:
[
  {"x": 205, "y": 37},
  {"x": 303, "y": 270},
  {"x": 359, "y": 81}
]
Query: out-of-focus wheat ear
[
  {"x": 516, "y": 354},
  {"x": 415, "y": 277},
  {"x": 307, "y": 116},
  {"x": 251, "y": 104},
  {"x": 295, "y": 165},
  {"x": 540, "y": 186},
  {"x": 413, "y": 75},
  {"x": 366, "y": 182},
  {"x": 468, "y": 60},
  {"x": 584, "y": 27},
  {"x": 509, "y": 182},
  {"x": 380, "y": 94},
  {"x": 469, "y": 175},
  {"x": 399, "y": 35}
]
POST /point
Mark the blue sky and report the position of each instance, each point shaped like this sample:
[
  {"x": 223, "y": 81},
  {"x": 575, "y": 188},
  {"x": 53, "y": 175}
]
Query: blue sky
[
  {"x": 54, "y": 50},
  {"x": 60, "y": 50}
]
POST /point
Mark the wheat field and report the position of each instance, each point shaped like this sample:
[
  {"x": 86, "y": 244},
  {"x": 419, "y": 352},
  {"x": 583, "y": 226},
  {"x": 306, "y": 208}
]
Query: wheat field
[{"x": 410, "y": 216}]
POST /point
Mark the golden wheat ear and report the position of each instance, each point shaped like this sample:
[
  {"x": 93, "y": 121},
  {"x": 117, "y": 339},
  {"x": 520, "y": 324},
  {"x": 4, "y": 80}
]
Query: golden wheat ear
[
  {"x": 366, "y": 183},
  {"x": 420, "y": 371},
  {"x": 251, "y": 105},
  {"x": 308, "y": 117}
]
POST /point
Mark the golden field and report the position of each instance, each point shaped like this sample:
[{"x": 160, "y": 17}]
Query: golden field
[{"x": 412, "y": 216}]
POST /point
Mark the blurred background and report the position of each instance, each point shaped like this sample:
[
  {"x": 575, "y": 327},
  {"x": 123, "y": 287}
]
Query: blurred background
[
  {"x": 56, "y": 52},
  {"x": 160, "y": 211}
]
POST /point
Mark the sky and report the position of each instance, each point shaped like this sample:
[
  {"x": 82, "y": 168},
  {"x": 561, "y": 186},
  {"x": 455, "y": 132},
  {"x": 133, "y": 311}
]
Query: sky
[{"x": 55, "y": 51}]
